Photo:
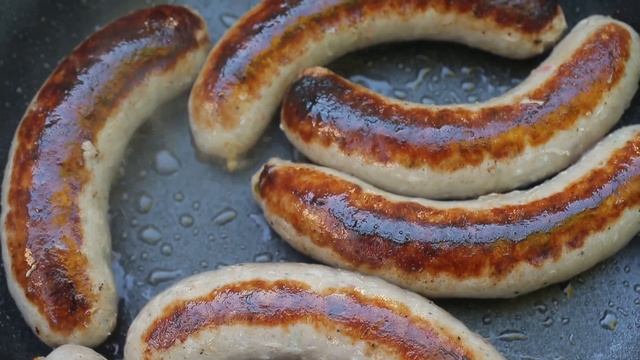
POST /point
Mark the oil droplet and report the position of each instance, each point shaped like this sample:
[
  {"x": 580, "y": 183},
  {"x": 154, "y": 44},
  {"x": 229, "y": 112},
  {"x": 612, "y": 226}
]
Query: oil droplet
[
  {"x": 399, "y": 94},
  {"x": 186, "y": 220},
  {"x": 565, "y": 320},
  {"x": 225, "y": 216},
  {"x": 636, "y": 288},
  {"x": 265, "y": 230},
  {"x": 609, "y": 321},
  {"x": 204, "y": 264},
  {"x": 221, "y": 265},
  {"x": 446, "y": 72},
  {"x": 150, "y": 235},
  {"x": 622, "y": 311},
  {"x": 636, "y": 301},
  {"x": 166, "y": 249},
  {"x": 542, "y": 308},
  {"x": 380, "y": 86},
  {"x": 159, "y": 276},
  {"x": 487, "y": 319},
  {"x": 195, "y": 206},
  {"x": 468, "y": 86},
  {"x": 548, "y": 321},
  {"x": 263, "y": 258},
  {"x": 413, "y": 85},
  {"x": 179, "y": 196},
  {"x": 133, "y": 222},
  {"x": 512, "y": 335},
  {"x": 145, "y": 203},
  {"x": 228, "y": 20},
  {"x": 144, "y": 255},
  {"x": 427, "y": 101},
  {"x": 627, "y": 269},
  {"x": 166, "y": 163}
]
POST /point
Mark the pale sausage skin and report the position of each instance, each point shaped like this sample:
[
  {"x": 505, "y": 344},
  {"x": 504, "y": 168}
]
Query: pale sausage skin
[
  {"x": 73, "y": 352},
  {"x": 296, "y": 311},
  {"x": 56, "y": 245},
  {"x": 496, "y": 246},
  {"x": 250, "y": 68},
  {"x": 442, "y": 152}
]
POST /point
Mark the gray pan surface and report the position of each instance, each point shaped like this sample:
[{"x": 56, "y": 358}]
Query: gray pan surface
[{"x": 173, "y": 215}]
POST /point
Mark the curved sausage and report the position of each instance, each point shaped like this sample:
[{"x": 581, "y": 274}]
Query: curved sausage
[
  {"x": 296, "y": 311},
  {"x": 55, "y": 231},
  {"x": 496, "y": 246},
  {"x": 73, "y": 352},
  {"x": 441, "y": 152},
  {"x": 248, "y": 71}
]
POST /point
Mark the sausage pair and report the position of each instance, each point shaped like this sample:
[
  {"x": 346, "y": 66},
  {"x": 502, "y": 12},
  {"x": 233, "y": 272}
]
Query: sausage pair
[{"x": 250, "y": 68}]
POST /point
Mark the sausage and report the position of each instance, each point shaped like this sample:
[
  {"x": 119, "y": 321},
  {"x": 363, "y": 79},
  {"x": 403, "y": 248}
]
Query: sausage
[
  {"x": 55, "y": 231},
  {"x": 248, "y": 71},
  {"x": 500, "y": 245},
  {"x": 442, "y": 152},
  {"x": 296, "y": 311},
  {"x": 73, "y": 352}
]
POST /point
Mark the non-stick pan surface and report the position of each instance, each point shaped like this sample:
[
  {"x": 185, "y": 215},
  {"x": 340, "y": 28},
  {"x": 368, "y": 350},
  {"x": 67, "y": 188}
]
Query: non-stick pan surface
[{"x": 173, "y": 215}]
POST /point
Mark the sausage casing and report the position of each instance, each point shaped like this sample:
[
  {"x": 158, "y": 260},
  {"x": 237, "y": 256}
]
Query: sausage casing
[
  {"x": 296, "y": 311},
  {"x": 56, "y": 245},
  {"x": 496, "y": 246},
  {"x": 537, "y": 129}
]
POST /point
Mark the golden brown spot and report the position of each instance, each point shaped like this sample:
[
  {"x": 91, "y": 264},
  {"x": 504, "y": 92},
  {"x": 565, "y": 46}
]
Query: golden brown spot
[
  {"x": 44, "y": 231},
  {"x": 283, "y": 303},
  {"x": 366, "y": 229},
  {"x": 324, "y": 108},
  {"x": 276, "y": 32}
]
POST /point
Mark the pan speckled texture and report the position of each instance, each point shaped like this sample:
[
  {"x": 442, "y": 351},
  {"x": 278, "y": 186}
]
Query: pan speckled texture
[{"x": 173, "y": 215}]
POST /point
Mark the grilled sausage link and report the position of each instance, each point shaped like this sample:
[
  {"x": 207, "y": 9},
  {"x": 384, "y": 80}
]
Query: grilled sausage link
[
  {"x": 55, "y": 231},
  {"x": 496, "y": 246},
  {"x": 248, "y": 71},
  {"x": 441, "y": 152},
  {"x": 73, "y": 352},
  {"x": 296, "y": 311}
]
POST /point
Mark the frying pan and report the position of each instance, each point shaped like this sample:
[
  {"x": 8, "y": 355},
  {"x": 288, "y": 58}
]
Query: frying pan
[{"x": 173, "y": 215}]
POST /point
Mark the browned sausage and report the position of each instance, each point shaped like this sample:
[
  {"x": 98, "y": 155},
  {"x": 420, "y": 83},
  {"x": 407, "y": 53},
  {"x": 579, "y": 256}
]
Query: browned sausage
[
  {"x": 55, "y": 231},
  {"x": 495, "y": 246}
]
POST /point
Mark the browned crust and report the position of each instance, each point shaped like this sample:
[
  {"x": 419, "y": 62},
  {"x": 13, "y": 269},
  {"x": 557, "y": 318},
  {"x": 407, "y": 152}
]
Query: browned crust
[
  {"x": 282, "y": 303},
  {"x": 275, "y": 32},
  {"x": 326, "y": 109},
  {"x": 362, "y": 228},
  {"x": 43, "y": 226}
]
